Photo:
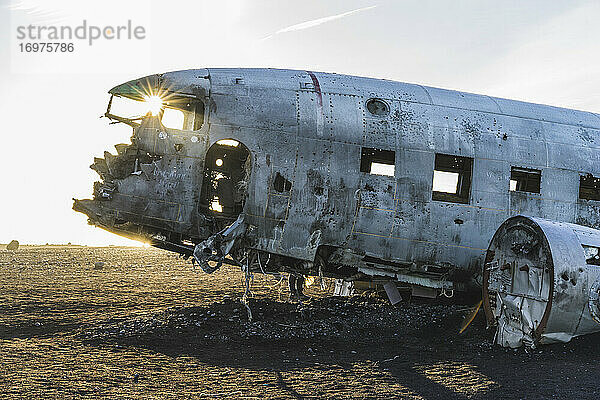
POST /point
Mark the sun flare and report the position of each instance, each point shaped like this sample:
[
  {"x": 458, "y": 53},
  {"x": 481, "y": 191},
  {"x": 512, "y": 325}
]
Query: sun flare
[{"x": 153, "y": 104}]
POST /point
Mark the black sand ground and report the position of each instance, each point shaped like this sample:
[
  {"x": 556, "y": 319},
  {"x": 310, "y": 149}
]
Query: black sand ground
[{"x": 148, "y": 326}]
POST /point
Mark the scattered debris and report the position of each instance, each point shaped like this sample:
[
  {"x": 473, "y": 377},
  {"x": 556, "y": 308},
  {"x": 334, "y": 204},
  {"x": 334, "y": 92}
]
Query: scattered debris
[
  {"x": 391, "y": 359},
  {"x": 329, "y": 320},
  {"x": 343, "y": 288},
  {"x": 13, "y": 245},
  {"x": 392, "y": 292}
]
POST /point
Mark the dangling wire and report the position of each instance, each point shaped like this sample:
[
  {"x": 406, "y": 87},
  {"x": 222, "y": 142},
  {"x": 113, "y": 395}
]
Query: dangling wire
[
  {"x": 321, "y": 281},
  {"x": 278, "y": 286},
  {"x": 259, "y": 263},
  {"x": 248, "y": 277}
]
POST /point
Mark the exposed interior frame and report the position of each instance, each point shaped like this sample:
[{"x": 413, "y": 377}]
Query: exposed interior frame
[
  {"x": 589, "y": 187},
  {"x": 525, "y": 180}
]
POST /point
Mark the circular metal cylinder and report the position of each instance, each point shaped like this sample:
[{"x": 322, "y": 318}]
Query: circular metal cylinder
[{"x": 540, "y": 281}]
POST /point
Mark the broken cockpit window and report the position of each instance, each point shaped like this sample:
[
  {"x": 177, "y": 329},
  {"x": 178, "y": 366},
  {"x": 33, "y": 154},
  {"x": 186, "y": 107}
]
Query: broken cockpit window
[
  {"x": 589, "y": 187},
  {"x": 452, "y": 178},
  {"x": 525, "y": 180},
  {"x": 175, "y": 112},
  {"x": 377, "y": 162},
  {"x": 130, "y": 109}
]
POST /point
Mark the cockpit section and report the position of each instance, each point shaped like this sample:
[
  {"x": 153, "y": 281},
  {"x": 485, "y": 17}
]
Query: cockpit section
[
  {"x": 174, "y": 111},
  {"x": 149, "y": 190}
]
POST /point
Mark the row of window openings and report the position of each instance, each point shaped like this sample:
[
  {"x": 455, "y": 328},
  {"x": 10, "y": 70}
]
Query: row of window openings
[{"x": 452, "y": 176}]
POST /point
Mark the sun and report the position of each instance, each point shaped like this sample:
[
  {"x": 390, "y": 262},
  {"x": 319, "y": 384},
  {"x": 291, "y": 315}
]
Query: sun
[{"x": 153, "y": 104}]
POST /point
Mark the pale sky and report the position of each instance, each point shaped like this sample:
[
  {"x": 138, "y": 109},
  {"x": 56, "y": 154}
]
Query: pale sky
[{"x": 539, "y": 51}]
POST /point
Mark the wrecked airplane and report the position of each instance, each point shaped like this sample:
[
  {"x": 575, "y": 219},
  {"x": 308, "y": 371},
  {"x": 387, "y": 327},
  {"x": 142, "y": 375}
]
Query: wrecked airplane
[{"x": 365, "y": 179}]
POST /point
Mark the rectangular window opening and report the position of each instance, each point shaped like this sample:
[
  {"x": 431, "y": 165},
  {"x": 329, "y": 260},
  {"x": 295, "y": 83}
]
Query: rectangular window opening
[
  {"x": 377, "y": 162},
  {"x": 589, "y": 187},
  {"x": 592, "y": 255},
  {"x": 525, "y": 180},
  {"x": 452, "y": 178}
]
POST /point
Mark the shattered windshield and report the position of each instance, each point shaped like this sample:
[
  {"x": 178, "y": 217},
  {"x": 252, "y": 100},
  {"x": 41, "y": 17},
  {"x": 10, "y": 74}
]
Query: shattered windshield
[
  {"x": 174, "y": 112},
  {"x": 133, "y": 110}
]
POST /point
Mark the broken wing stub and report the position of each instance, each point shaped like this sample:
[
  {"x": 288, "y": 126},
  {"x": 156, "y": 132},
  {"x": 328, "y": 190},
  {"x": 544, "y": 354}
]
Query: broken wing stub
[{"x": 219, "y": 245}]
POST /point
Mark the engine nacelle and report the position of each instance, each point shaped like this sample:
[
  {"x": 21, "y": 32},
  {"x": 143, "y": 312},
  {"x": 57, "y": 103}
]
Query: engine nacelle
[{"x": 541, "y": 281}]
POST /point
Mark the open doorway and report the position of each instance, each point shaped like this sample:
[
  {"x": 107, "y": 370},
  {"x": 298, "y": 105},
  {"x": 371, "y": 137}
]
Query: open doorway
[{"x": 225, "y": 182}]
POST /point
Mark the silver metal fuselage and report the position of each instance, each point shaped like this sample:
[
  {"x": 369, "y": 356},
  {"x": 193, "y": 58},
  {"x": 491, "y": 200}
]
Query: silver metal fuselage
[{"x": 310, "y": 129}]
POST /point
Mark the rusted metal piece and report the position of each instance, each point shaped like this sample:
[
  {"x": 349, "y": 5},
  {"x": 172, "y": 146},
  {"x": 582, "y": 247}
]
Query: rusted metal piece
[{"x": 548, "y": 293}]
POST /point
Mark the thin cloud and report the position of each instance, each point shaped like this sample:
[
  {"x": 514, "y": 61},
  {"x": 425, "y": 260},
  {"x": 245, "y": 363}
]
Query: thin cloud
[
  {"x": 317, "y": 22},
  {"x": 37, "y": 12}
]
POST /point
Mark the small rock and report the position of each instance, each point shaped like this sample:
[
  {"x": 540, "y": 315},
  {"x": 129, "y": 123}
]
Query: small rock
[
  {"x": 13, "y": 245},
  {"x": 99, "y": 265}
]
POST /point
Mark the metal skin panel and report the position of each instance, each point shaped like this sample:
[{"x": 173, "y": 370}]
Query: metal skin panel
[
  {"x": 575, "y": 158},
  {"x": 342, "y": 197},
  {"x": 310, "y": 114},
  {"x": 508, "y": 126},
  {"x": 414, "y": 173},
  {"x": 309, "y": 127},
  {"x": 461, "y": 100},
  {"x": 490, "y": 181},
  {"x": 559, "y": 185},
  {"x": 548, "y": 113},
  {"x": 588, "y": 213},
  {"x": 408, "y": 218},
  {"x": 309, "y": 202},
  {"x": 382, "y": 132},
  {"x": 255, "y": 110},
  {"x": 343, "y": 117}
]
